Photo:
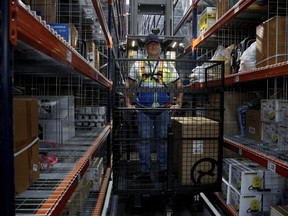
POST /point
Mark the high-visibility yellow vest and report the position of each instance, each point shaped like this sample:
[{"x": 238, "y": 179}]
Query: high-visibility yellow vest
[{"x": 145, "y": 75}]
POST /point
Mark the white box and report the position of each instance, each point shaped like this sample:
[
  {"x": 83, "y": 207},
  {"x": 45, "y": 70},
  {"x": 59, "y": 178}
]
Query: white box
[
  {"x": 52, "y": 107},
  {"x": 270, "y": 133},
  {"x": 56, "y": 130},
  {"x": 251, "y": 204},
  {"x": 101, "y": 110},
  {"x": 95, "y": 173},
  {"x": 271, "y": 110},
  {"x": 283, "y": 137},
  {"x": 227, "y": 164},
  {"x": 248, "y": 180}
]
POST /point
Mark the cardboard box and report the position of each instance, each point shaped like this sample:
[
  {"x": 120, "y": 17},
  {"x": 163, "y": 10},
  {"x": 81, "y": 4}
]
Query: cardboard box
[
  {"x": 283, "y": 137},
  {"x": 56, "y": 130},
  {"x": 222, "y": 6},
  {"x": 95, "y": 174},
  {"x": 228, "y": 163},
  {"x": 27, "y": 168},
  {"x": 21, "y": 172},
  {"x": 67, "y": 31},
  {"x": 191, "y": 147},
  {"x": 252, "y": 204},
  {"x": 207, "y": 19},
  {"x": 271, "y": 41},
  {"x": 225, "y": 191},
  {"x": 232, "y": 100},
  {"x": 93, "y": 55},
  {"x": 56, "y": 107},
  {"x": 271, "y": 110},
  {"x": 78, "y": 198},
  {"x": 25, "y": 121},
  {"x": 279, "y": 210},
  {"x": 270, "y": 133},
  {"x": 253, "y": 124},
  {"x": 254, "y": 179},
  {"x": 34, "y": 164},
  {"x": 46, "y": 9}
]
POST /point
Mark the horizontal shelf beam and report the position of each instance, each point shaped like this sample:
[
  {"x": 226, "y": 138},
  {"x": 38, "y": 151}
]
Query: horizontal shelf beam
[
  {"x": 231, "y": 14},
  {"x": 59, "y": 197},
  {"x": 264, "y": 160},
  {"x": 25, "y": 27},
  {"x": 271, "y": 71}
]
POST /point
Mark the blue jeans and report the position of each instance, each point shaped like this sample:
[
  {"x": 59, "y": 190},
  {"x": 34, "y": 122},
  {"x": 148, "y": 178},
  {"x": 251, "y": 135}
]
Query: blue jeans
[{"x": 152, "y": 126}]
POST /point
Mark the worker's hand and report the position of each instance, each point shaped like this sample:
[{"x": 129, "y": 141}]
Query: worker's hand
[
  {"x": 131, "y": 106},
  {"x": 176, "y": 106}
]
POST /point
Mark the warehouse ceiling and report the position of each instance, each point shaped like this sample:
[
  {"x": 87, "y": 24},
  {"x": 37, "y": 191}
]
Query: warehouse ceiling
[{"x": 81, "y": 12}]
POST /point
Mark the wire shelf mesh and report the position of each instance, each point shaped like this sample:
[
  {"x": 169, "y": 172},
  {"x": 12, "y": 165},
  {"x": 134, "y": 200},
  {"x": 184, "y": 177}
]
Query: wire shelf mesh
[{"x": 183, "y": 145}]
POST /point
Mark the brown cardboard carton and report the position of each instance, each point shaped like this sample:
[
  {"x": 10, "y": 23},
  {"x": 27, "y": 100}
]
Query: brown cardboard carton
[
  {"x": 34, "y": 165},
  {"x": 20, "y": 122},
  {"x": 25, "y": 120},
  {"x": 46, "y": 9},
  {"x": 27, "y": 169},
  {"x": 32, "y": 113},
  {"x": 191, "y": 146},
  {"x": 271, "y": 41},
  {"x": 253, "y": 124},
  {"x": 21, "y": 172},
  {"x": 222, "y": 6}
]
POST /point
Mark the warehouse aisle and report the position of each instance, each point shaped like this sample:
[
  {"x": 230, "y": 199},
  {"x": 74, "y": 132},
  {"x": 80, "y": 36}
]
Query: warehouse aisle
[{"x": 155, "y": 206}]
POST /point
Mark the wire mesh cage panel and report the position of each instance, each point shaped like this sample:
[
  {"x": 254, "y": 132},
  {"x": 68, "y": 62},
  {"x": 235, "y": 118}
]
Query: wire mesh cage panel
[
  {"x": 71, "y": 114},
  {"x": 167, "y": 125}
]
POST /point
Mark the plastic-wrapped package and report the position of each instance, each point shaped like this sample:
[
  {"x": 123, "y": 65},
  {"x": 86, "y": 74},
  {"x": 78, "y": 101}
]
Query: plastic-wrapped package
[{"x": 248, "y": 59}]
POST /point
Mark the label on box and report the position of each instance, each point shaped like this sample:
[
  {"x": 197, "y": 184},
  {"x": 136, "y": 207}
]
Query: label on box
[{"x": 197, "y": 147}]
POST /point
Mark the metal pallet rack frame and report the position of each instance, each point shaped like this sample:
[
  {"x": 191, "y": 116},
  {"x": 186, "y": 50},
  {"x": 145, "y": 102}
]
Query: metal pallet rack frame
[
  {"x": 29, "y": 34},
  {"x": 272, "y": 76}
]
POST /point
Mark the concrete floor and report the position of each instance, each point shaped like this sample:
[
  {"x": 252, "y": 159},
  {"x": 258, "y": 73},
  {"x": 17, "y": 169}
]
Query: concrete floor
[{"x": 155, "y": 206}]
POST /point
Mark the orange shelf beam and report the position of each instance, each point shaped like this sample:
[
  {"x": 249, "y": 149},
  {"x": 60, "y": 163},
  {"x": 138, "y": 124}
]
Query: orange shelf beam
[
  {"x": 100, "y": 201},
  {"x": 25, "y": 27},
  {"x": 264, "y": 160},
  {"x": 59, "y": 197},
  {"x": 231, "y": 14},
  {"x": 271, "y": 71}
]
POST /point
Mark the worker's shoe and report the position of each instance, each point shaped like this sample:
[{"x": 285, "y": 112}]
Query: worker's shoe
[{"x": 141, "y": 176}]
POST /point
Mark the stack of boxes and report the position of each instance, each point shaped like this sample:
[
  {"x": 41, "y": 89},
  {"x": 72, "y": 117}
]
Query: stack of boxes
[
  {"x": 26, "y": 147},
  {"x": 274, "y": 116},
  {"x": 90, "y": 117},
  {"x": 250, "y": 188},
  {"x": 207, "y": 19},
  {"x": 191, "y": 146}
]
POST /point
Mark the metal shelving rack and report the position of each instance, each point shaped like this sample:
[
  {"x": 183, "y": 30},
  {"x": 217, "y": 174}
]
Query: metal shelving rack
[
  {"x": 24, "y": 30},
  {"x": 244, "y": 147}
]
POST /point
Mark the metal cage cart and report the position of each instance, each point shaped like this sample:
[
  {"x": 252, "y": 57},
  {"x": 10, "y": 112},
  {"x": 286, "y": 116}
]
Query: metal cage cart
[{"x": 192, "y": 144}]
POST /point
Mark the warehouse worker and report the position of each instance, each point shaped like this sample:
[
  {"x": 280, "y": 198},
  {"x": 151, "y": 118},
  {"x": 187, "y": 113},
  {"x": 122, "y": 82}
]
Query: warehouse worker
[{"x": 153, "y": 123}]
